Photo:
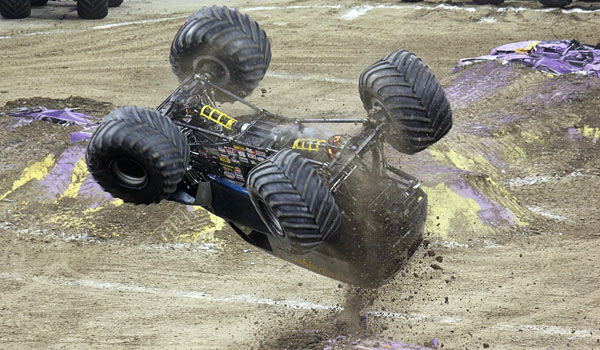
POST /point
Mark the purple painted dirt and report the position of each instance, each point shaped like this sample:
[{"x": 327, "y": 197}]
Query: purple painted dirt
[
  {"x": 79, "y": 136},
  {"x": 490, "y": 212},
  {"x": 21, "y": 122},
  {"x": 476, "y": 128},
  {"x": 61, "y": 176},
  {"x": 478, "y": 82},
  {"x": 487, "y": 124},
  {"x": 59, "y": 179},
  {"x": 90, "y": 189},
  {"x": 507, "y": 118},
  {"x": 559, "y": 92},
  {"x": 575, "y": 134},
  {"x": 358, "y": 344},
  {"x": 493, "y": 157},
  {"x": 431, "y": 172}
]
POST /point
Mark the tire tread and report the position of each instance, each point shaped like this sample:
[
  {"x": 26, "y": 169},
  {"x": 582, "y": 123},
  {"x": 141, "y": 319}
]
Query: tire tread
[
  {"x": 416, "y": 104},
  {"x": 299, "y": 197},
  {"x": 15, "y": 8},
  {"x": 231, "y": 33},
  {"x": 92, "y": 9}
]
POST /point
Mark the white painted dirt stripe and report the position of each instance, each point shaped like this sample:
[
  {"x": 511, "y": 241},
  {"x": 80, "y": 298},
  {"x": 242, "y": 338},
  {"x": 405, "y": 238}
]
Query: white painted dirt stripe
[
  {"x": 547, "y": 214},
  {"x": 291, "y": 7},
  {"x": 361, "y": 10},
  {"x": 415, "y": 316},
  {"x": 104, "y": 26},
  {"x": 156, "y": 20},
  {"x": 550, "y": 9},
  {"x": 538, "y": 179},
  {"x": 356, "y": 12},
  {"x": 119, "y": 287},
  {"x": 37, "y": 33},
  {"x": 249, "y": 299},
  {"x": 487, "y": 20},
  {"x": 242, "y": 298},
  {"x": 309, "y": 77},
  {"x": 547, "y": 329}
]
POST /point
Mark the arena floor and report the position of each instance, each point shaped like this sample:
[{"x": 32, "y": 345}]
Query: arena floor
[{"x": 78, "y": 274}]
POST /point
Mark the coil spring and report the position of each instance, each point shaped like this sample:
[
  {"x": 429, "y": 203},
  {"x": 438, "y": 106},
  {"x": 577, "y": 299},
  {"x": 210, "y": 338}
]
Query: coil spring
[
  {"x": 308, "y": 144},
  {"x": 217, "y": 117}
]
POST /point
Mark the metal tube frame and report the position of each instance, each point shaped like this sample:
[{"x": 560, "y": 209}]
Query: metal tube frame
[{"x": 345, "y": 170}]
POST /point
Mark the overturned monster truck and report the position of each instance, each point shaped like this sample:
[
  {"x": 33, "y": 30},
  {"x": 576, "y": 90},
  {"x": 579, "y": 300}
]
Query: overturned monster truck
[{"x": 328, "y": 202}]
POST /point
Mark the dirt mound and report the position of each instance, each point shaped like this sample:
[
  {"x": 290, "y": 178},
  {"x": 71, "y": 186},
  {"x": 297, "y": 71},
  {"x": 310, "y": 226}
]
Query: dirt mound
[
  {"x": 507, "y": 127},
  {"x": 84, "y": 105},
  {"x": 53, "y": 187}
]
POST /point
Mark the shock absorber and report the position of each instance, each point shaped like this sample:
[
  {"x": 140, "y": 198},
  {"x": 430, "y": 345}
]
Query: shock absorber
[
  {"x": 311, "y": 145},
  {"x": 218, "y": 117},
  {"x": 327, "y": 148}
]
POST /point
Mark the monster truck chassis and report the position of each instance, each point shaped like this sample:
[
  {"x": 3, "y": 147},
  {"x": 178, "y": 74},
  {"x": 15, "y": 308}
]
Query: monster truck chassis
[{"x": 327, "y": 202}]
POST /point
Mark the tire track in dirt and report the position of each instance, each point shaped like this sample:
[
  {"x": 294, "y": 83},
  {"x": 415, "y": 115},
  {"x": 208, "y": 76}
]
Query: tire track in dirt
[{"x": 292, "y": 304}]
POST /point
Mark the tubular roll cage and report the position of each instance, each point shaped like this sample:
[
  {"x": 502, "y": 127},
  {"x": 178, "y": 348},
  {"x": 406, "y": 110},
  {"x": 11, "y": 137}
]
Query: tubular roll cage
[{"x": 340, "y": 167}]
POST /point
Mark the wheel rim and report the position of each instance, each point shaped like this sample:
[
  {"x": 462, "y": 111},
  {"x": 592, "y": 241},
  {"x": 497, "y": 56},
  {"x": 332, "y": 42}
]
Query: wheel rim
[
  {"x": 377, "y": 110},
  {"x": 380, "y": 114},
  {"x": 129, "y": 173},
  {"x": 273, "y": 223},
  {"x": 213, "y": 68},
  {"x": 378, "y": 107}
]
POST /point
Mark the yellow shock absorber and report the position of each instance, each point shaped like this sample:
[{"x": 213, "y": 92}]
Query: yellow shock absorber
[
  {"x": 308, "y": 144},
  {"x": 215, "y": 116}
]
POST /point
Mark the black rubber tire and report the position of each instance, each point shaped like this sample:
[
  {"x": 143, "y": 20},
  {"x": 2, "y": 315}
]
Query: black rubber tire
[
  {"x": 142, "y": 153},
  {"x": 92, "y": 9},
  {"x": 410, "y": 99},
  {"x": 38, "y": 2},
  {"x": 15, "y": 8},
  {"x": 155, "y": 120},
  {"x": 115, "y": 3},
  {"x": 555, "y": 3},
  {"x": 293, "y": 201},
  {"x": 227, "y": 40},
  {"x": 488, "y": 2}
]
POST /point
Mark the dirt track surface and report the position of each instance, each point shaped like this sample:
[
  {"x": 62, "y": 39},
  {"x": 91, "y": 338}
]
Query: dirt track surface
[{"x": 75, "y": 273}]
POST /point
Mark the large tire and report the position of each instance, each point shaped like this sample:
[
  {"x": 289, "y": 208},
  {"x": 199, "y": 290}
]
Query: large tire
[
  {"x": 92, "y": 9},
  {"x": 488, "y": 2},
  {"x": 115, "y": 3},
  {"x": 15, "y": 8},
  {"x": 293, "y": 201},
  {"x": 555, "y": 3},
  {"x": 401, "y": 90},
  {"x": 155, "y": 120},
  {"x": 134, "y": 161},
  {"x": 224, "y": 43}
]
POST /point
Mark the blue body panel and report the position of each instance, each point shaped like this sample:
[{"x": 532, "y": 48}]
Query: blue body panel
[
  {"x": 232, "y": 203},
  {"x": 230, "y": 185}
]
